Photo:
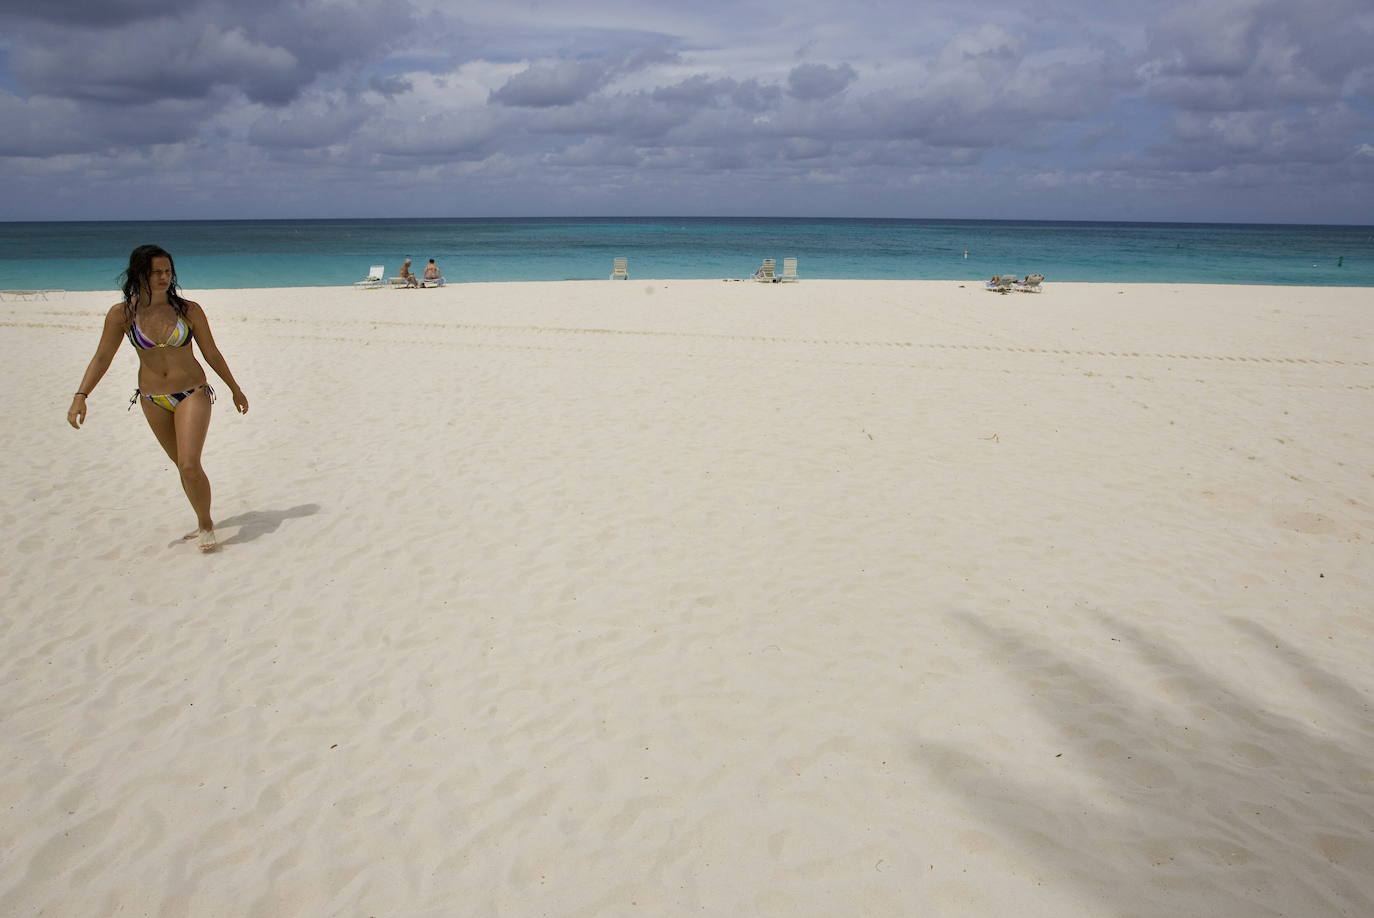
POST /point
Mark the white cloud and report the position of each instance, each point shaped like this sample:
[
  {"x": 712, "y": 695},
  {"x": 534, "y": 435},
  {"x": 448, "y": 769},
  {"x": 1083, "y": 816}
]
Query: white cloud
[{"x": 1235, "y": 55}]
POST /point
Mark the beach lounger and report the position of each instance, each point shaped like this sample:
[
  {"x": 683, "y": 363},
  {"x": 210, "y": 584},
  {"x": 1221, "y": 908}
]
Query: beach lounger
[
  {"x": 1031, "y": 284},
  {"x": 375, "y": 279},
  {"x": 1000, "y": 283},
  {"x": 789, "y": 271},
  {"x": 764, "y": 274},
  {"x": 620, "y": 269}
]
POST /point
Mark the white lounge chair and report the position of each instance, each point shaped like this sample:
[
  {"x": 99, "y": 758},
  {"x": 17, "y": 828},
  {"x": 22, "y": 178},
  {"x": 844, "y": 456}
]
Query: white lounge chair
[
  {"x": 375, "y": 280},
  {"x": 764, "y": 274},
  {"x": 1000, "y": 283},
  {"x": 620, "y": 269},
  {"x": 1031, "y": 284},
  {"x": 789, "y": 271}
]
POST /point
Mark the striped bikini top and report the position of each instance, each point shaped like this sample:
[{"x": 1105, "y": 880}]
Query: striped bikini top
[{"x": 181, "y": 336}]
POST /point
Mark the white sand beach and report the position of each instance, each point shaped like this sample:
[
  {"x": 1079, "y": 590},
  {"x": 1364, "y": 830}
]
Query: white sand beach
[{"x": 675, "y": 598}]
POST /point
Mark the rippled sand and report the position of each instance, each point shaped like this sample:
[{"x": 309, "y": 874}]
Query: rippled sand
[{"x": 691, "y": 597}]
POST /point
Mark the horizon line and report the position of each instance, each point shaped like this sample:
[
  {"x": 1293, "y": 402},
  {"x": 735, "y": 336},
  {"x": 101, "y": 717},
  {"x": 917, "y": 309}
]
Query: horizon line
[{"x": 662, "y": 217}]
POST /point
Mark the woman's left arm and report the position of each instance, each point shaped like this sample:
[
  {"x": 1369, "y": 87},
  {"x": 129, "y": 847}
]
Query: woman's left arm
[{"x": 210, "y": 351}]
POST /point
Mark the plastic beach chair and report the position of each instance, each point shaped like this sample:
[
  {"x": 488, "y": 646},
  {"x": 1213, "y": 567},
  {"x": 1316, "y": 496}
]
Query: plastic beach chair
[{"x": 375, "y": 279}]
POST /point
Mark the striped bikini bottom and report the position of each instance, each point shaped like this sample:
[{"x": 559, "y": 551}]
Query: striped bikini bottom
[{"x": 172, "y": 399}]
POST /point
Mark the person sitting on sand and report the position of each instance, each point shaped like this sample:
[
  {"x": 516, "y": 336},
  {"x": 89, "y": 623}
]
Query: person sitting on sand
[
  {"x": 172, "y": 391},
  {"x": 432, "y": 276},
  {"x": 407, "y": 275}
]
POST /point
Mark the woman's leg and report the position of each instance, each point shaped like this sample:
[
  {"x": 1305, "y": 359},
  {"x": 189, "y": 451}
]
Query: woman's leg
[
  {"x": 163, "y": 426},
  {"x": 192, "y": 422}
]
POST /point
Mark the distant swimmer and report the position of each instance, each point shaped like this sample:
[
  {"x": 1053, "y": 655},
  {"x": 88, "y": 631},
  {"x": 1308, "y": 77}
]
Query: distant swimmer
[{"x": 966, "y": 253}]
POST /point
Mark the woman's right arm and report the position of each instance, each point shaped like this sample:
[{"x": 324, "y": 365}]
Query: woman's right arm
[{"x": 104, "y": 354}]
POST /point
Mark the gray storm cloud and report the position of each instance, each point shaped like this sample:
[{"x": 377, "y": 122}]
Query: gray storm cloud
[
  {"x": 979, "y": 104},
  {"x": 817, "y": 81}
]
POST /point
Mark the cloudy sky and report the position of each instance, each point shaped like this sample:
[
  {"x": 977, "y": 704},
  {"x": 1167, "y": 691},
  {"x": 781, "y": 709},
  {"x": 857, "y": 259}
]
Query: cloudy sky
[{"x": 1236, "y": 110}]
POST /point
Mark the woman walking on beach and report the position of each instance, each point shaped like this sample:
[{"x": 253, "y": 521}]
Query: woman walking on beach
[{"x": 172, "y": 390}]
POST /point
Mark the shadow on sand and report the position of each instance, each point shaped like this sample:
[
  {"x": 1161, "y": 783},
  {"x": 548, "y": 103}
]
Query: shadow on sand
[
  {"x": 257, "y": 523},
  {"x": 1154, "y": 783}
]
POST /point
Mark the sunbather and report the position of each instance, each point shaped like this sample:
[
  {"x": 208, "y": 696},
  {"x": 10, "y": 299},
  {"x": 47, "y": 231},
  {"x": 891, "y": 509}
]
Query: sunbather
[{"x": 432, "y": 276}]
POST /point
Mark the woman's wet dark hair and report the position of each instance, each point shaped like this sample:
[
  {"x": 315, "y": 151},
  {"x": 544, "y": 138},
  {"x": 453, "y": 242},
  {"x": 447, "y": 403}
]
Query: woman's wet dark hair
[{"x": 134, "y": 280}]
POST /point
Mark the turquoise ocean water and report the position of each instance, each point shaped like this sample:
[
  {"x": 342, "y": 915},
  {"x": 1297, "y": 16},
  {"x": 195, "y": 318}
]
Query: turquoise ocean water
[{"x": 287, "y": 253}]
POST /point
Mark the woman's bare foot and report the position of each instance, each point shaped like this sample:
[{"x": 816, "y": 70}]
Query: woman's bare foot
[{"x": 206, "y": 540}]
